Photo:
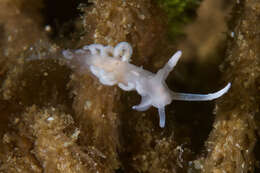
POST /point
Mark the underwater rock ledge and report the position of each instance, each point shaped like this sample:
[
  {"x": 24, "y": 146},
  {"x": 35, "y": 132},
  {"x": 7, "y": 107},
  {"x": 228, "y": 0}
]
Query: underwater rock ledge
[{"x": 231, "y": 144}]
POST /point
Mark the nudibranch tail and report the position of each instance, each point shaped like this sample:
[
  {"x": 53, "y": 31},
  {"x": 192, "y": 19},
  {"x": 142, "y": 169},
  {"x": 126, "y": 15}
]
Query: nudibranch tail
[{"x": 200, "y": 97}]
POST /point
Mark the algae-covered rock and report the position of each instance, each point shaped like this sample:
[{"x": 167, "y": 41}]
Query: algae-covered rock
[
  {"x": 232, "y": 141},
  {"x": 44, "y": 140}
]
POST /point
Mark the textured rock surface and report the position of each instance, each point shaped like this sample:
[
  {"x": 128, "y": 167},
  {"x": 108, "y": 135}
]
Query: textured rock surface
[
  {"x": 55, "y": 119},
  {"x": 232, "y": 141}
]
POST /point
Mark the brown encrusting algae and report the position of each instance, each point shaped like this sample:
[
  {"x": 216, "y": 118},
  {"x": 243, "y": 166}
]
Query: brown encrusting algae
[{"x": 56, "y": 119}]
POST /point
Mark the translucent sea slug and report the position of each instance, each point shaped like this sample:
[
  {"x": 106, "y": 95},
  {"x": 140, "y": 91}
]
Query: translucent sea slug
[{"x": 112, "y": 67}]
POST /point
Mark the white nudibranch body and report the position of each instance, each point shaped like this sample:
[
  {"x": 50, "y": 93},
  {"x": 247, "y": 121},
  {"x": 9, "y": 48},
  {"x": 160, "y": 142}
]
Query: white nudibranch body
[{"x": 111, "y": 66}]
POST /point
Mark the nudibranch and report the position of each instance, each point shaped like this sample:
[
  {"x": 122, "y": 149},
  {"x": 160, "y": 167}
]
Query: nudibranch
[{"x": 111, "y": 65}]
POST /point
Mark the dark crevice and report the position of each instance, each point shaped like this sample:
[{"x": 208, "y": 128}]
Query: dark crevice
[
  {"x": 43, "y": 83},
  {"x": 257, "y": 155},
  {"x": 193, "y": 121},
  {"x": 120, "y": 170},
  {"x": 257, "y": 145},
  {"x": 61, "y": 15},
  {"x": 2, "y": 35}
]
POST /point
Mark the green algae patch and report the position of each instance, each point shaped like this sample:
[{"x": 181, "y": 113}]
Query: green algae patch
[{"x": 179, "y": 13}]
